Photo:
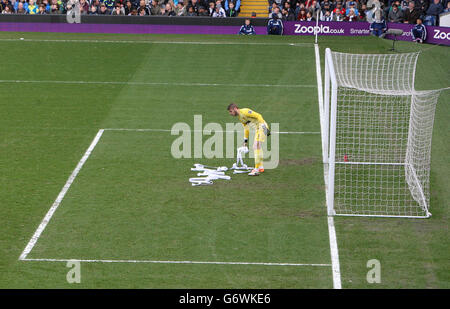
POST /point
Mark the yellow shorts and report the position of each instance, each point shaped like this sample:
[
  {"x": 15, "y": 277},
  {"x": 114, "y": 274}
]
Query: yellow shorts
[{"x": 260, "y": 135}]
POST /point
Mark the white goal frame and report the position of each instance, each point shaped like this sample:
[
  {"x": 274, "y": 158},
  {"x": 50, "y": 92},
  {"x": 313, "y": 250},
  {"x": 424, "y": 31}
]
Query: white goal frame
[{"x": 328, "y": 121}]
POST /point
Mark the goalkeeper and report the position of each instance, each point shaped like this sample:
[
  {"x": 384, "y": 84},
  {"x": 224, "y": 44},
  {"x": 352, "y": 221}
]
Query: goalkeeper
[{"x": 252, "y": 119}]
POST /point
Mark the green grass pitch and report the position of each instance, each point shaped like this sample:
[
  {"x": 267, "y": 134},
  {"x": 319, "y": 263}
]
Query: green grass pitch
[{"x": 132, "y": 201}]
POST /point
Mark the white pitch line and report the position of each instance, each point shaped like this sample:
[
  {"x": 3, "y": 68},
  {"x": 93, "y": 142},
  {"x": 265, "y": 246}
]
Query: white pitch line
[
  {"x": 336, "y": 272},
  {"x": 334, "y": 254},
  {"x": 203, "y": 131},
  {"x": 178, "y": 262},
  {"x": 60, "y": 197},
  {"x": 82, "y": 82},
  {"x": 159, "y": 42}
]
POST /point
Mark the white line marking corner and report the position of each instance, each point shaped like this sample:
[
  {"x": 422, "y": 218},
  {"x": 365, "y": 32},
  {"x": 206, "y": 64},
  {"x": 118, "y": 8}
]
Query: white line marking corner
[{"x": 59, "y": 198}]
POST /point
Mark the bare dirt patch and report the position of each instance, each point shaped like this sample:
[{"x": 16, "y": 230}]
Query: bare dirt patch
[{"x": 301, "y": 161}]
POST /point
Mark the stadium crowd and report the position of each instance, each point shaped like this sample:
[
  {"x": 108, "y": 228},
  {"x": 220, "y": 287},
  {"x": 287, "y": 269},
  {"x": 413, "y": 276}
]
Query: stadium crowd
[
  {"x": 395, "y": 11},
  {"x": 212, "y": 8},
  {"x": 398, "y": 11}
]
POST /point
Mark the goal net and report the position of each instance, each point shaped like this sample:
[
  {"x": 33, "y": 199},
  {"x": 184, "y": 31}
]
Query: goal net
[{"x": 377, "y": 133}]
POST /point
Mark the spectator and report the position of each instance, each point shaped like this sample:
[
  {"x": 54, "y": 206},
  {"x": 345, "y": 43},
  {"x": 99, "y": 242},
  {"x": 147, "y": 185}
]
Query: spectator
[
  {"x": 103, "y": 10},
  {"x": 337, "y": 16},
  {"x": 287, "y": 15},
  {"x": 378, "y": 27},
  {"x": 202, "y": 11},
  {"x": 351, "y": 15},
  {"x": 236, "y": 4},
  {"x": 93, "y": 10},
  {"x": 278, "y": 3},
  {"x": 169, "y": 10},
  {"x": 312, "y": 5},
  {"x": 422, "y": 4},
  {"x": 325, "y": 17},
  {"x": 339, "y": 8},
  {"x": 432, "y": 17},
  {"x": 419, "y": 32},
  {"x": 7, "y": 9},
  {"x": 23, "y": 5},
  {"x": 42, "y": 10},
  {"x": 92, "y": 2},
  {"x": 447, "y": 9},
  {"x": 180, "y": 9},
  {"x": 191, "y": 11},
  {"x": 143, "y": 8},
  {"x": 109, "y": 4},
  {"x": 302, "y": 15},
  {"x": 276, "y": 11},
  {"x": 195, "y": 5},
  {"x": 247, "y": 28},
  {"x": 32, "y": 8},
  {"x": 411, "y": 14},
  {"x": 128, "y": 7},
  {"x": 275, "y": 25},
  {"x": 404, "y": 4},
  {"x": 54, "y": 8},
  {"x": 46, "y": 5},
  {"x": 351, "y": 6},
  {"x": 4, "y": 4},
  {"x": 230, "y": 12},
  {"x": 326, "y": 7},
  {"x": 118, "y": 10},
  {"x": 395, "y": 15},
  {"x": 84, "y": 7},
  {"x": 211, "y": 9},
  {"x": 287, "y": 6},
  {"x": 314, "y": 8},
  {"x": 154, "y": 7},
  {"x": 362, "y": 13},
  {"x": 21, "y": 8},
  {"x": 219, "y": 11},
  {"x": 309, "y": 16}
]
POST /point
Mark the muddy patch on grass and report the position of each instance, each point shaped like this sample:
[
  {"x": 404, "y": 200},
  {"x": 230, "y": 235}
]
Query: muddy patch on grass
[{"x": 300, "y": 161}]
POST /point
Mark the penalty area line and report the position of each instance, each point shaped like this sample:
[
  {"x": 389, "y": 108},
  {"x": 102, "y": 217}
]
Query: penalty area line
[
  {"x": 60, "y": 197},
  {"x": 137, "y": 83},
  {"x": 176, "y": 262}
]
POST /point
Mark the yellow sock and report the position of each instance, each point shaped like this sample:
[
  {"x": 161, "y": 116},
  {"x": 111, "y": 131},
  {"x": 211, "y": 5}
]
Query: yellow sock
[{"x": 258, "y": 158}]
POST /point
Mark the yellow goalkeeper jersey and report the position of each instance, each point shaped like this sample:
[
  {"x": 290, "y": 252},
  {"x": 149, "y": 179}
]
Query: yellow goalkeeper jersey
[{"x": 250, "y": 118}]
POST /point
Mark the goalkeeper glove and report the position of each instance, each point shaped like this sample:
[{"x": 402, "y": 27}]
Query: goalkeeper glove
[{"x": 266, "y": 130}]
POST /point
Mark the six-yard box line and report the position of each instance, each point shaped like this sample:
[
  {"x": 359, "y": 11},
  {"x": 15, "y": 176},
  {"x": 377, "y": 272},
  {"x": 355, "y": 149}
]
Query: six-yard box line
[{"x": 29, "y": 247}]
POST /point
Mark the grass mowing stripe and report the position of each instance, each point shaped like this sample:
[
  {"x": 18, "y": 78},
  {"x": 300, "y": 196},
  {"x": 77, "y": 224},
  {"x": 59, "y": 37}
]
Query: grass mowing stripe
[
  {"x": 60, "y": 197},
  {"x": 160, "y": 42},
  {"x": 153, "y": 83}
]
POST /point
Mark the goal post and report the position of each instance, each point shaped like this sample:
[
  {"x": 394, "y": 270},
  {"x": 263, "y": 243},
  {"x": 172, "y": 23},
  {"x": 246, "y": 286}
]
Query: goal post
[{"x": 377, "y": 130}]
